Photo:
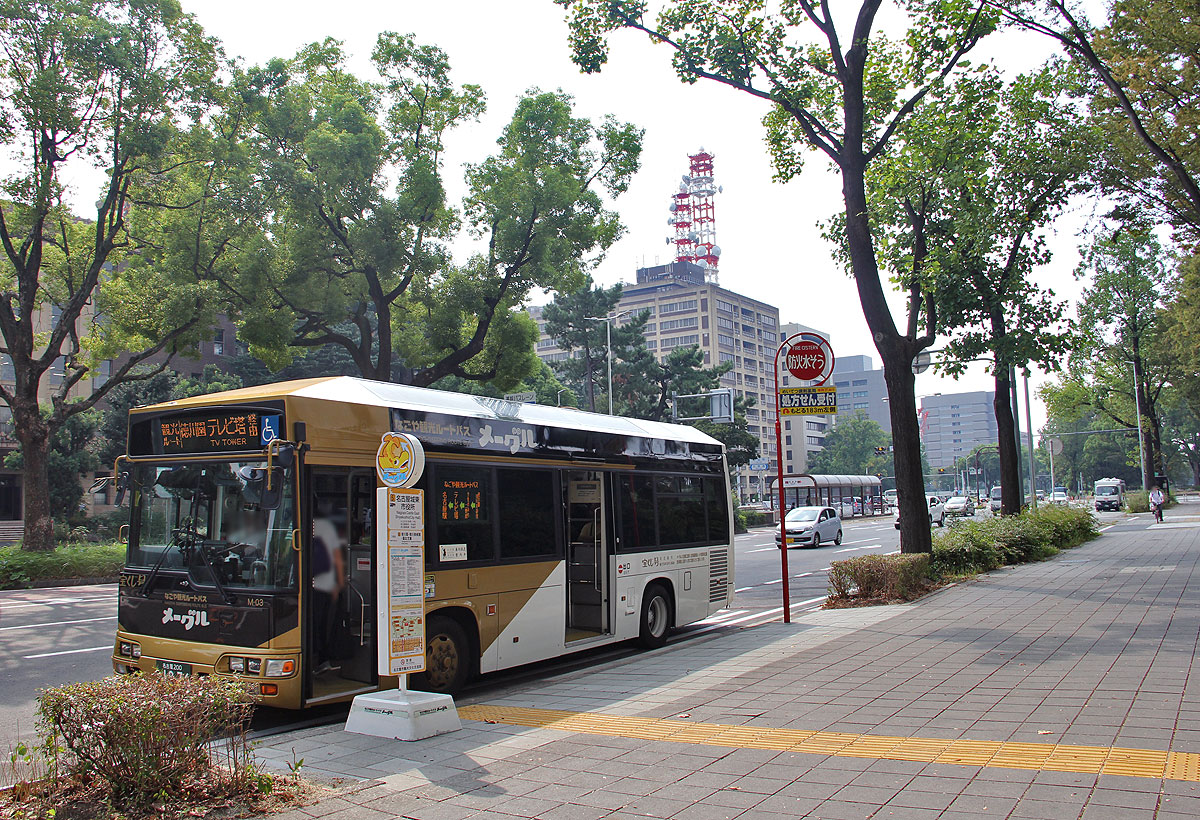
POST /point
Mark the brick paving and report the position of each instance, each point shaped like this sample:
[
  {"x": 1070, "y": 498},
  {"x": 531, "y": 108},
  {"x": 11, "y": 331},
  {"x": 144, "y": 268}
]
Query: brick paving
[{"x": 1094, "y": 648}]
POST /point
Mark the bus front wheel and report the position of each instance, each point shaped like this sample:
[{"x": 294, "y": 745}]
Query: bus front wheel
[
  {"x": 656, "y": 617},
  {"x": 447, "y": 658}
]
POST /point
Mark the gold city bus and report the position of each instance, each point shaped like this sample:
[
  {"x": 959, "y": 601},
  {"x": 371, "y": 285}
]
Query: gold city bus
[{"x": 548, "y": 531}]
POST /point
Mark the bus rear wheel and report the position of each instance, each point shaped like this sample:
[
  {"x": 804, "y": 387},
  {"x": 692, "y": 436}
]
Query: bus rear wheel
[
  {"x": 447, "y": 657},
  {"x": 656, "y": 617}
]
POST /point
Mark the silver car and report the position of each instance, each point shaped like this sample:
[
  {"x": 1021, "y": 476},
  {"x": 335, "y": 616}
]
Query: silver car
[{"x": 811, "y": 527}]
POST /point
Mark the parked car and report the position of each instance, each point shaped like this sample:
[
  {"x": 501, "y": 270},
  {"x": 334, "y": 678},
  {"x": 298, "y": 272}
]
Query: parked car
[
  {"x": 1057, "y": 497},
  {"x": 851, "y": 507},
  {"x": 811, "y": 526},
  {"x": 889, "y": 498},
  {"x": 959, "y": 505},
  {"x": 937, "y": 511}
]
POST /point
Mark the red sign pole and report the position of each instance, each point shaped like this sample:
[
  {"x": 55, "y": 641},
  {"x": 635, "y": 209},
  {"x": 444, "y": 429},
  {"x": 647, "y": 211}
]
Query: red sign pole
[
  {"x": 808, "y": 358},
  {"x": 783, "y": 544}
]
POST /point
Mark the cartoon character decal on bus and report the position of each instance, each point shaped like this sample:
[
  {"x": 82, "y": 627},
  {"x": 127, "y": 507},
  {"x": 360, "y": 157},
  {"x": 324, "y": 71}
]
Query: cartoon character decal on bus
[{"x": 400, "y": 460}]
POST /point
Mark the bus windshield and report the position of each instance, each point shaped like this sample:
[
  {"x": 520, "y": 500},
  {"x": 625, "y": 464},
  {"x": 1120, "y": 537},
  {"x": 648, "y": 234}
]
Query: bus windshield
[{"x": 208, "y": 519}]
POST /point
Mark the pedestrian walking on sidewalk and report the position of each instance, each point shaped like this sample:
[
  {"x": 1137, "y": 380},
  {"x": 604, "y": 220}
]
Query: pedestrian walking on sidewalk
[{"x": 1156, "y": 503}]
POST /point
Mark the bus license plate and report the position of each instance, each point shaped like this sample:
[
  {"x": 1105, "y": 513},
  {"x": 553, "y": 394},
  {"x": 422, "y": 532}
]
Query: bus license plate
[{"x": 174, "y": 668}]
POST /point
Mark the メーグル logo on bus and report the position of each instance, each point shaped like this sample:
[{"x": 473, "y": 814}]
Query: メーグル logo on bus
[{"x": 400, "y": 460}]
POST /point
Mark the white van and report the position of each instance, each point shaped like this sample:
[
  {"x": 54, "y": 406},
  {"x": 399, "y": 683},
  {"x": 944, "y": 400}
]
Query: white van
[{"x": 994, "y": 503}]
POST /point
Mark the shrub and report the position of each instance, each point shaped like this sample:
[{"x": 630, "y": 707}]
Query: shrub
[
  {"x": 1137, "y": 502},
  {"x": 887, "y": 577},
  {"x": 758, "y": 519},
  {"x": 139, "y": 739},
  {"x": 68, "y": 562}
]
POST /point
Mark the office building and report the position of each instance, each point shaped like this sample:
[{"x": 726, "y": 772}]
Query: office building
[
  {"x": 953, "y": 424},
  {"x": 687, "y": 309},
  {"x": 861, "y": 390}
]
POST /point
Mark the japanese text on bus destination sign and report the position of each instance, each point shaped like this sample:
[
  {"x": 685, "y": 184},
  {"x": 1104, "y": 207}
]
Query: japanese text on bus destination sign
[
  {"x": 807, "y": 401},
  {"x": 212, "y": 433}
]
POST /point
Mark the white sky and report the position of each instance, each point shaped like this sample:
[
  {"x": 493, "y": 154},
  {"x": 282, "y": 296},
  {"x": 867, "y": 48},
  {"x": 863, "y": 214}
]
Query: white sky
[{"x": 772, "y": 249}]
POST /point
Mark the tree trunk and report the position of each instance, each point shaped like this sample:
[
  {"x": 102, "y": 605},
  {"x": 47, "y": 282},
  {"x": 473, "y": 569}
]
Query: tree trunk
[
  {"x": 35, "y": 452},
  {"x": 1006, "y": 442},
  {"x": 915, "y": 534}
]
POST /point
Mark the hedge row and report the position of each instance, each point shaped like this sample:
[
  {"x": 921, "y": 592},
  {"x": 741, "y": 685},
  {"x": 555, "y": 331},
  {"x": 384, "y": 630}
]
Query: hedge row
[
  {"x": 68, "y": 562},
  {"x": 966, "y": 549}
]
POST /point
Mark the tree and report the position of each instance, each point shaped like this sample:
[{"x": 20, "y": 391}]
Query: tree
[
  {"x": 120, "y": 88},
  {"x": 1180, "y": 335},
  {"x": 644, "y": 384},
  {"x": 969, "y": 191},
  {"x": 573, "y": 321},
  {"x": 362, "y": 222},
  {"x": 1118, "y": 323},
  {"x": 1147, "y": 95},
  {"x": 842, "y": 94},
  {"x": 856, "y": 446}
]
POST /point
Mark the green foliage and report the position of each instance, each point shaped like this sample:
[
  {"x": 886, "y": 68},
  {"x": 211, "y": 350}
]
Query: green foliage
[
  {"x": 571, "y": 321},
  {"x": 850, "y": 449},
  {"x": 878, "y": 578},
  {"x": 19, "y": 569},
  {"x": 1138, "y": 501},
  {"x": 980, "y": 546},
  {"x": 361, "y": 226},
  {"x": 146, "y": 738}
]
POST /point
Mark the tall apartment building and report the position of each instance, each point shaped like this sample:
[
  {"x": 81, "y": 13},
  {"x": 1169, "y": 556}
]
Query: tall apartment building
[
  {"x": 685, "y": 309},
  {"x": 803, "y": 436},
  {"x": 861, "y": 389},
  {"x": 953, "y": 424}
]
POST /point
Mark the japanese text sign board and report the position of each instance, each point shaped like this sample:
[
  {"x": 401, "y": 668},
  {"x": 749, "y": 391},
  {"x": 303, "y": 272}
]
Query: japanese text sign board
[
  {"x": 807, "y": 401},
  {"x": 400, "y": 589}
]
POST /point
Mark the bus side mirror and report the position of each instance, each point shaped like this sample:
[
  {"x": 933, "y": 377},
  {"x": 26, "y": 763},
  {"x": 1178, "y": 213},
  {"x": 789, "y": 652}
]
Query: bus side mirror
[
  {"x": 285, "y": 456},
  {"x": 270, "y": 497},
  {"x": 122, "y": 486}
]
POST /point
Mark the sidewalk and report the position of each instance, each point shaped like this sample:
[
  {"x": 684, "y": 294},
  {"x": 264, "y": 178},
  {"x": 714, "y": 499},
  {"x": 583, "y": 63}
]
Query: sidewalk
[{"x": 1053, "y": 690}]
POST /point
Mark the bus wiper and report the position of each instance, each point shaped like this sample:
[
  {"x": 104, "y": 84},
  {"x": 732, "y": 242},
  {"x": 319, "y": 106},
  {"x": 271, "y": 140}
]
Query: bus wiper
[
  {"x": 207, "y": 553},
  {"x": 184, "y": 535}
]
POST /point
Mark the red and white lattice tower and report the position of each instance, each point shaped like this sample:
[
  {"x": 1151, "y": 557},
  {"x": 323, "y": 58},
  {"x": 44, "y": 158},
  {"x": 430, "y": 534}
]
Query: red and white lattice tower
[{"x": 694, "y": 218}]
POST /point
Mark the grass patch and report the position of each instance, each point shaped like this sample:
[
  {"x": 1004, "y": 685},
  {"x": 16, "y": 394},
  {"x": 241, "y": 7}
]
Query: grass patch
[
  {"x": 68, "y": 562},
  {"x": 963, "y": 551}
]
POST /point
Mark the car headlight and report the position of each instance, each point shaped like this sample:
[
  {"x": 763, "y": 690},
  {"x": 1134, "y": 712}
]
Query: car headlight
[{"x": 280, "y": 667}]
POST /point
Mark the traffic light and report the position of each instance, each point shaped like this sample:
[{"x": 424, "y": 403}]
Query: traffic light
[
  {"x": 880, "y": 451},
  {"x": 941, "y": 469}
]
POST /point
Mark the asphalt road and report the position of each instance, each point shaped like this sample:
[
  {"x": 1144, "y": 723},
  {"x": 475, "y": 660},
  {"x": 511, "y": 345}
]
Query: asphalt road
[{"x": 53, "y": 636}]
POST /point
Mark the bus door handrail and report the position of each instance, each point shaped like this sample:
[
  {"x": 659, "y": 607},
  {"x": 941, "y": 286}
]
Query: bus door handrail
[
  {"x": 362, "y": 614},
  {"x": 596, "y": 545}
]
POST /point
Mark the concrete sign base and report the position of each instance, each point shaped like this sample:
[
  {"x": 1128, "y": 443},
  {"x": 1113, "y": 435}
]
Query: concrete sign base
[{"x": 403, "y": 715}]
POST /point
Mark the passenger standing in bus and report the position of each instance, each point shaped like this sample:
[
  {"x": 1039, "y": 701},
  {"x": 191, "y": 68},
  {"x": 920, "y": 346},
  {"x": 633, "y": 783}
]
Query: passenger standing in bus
[{"x": 329, "y": 577}]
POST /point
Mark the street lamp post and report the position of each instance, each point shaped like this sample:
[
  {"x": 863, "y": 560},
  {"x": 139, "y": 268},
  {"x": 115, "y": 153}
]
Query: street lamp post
[{"x": 608, "y": 320}]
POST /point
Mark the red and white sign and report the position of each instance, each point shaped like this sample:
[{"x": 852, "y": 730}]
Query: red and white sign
[{"x": 809, "y": 357}]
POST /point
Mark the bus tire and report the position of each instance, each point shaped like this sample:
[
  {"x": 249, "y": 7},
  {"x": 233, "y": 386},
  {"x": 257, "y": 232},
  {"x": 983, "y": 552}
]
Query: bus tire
[
  {"x": 447, "y": 657},
  {"x": 656, "y": 617}
]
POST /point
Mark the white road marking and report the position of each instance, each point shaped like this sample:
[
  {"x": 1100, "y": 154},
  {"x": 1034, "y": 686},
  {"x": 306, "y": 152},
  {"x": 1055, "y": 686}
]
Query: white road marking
[
  {"x": 768, "y": 615},
  {"x": 724, "y": 616},
  {"x": 69, "y": 652},
  {"x": 856, "y": 549},
  {"x": 859, "y": 541},
  {"x": 57, "y": 623},
  {"x": 50, "y": 602},
  {"x": 764, "y": 549}
]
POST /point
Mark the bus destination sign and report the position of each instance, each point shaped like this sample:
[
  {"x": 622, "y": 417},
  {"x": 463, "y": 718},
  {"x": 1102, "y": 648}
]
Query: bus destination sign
[
  {"x": 807, "y": 401},
  {"x": 214, "y": 432}
]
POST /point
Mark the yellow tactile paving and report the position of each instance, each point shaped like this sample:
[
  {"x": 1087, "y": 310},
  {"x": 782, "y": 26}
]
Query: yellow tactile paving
[{"x": 1057, "y": 757}]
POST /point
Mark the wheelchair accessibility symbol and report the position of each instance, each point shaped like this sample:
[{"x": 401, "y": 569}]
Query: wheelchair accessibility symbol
[{"x": 268, "y": 430}]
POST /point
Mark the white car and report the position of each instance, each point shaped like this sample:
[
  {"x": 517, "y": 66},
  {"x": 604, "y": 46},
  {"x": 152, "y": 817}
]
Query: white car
[
  {"x": 811, "y": 526},
  {"x": 960, "y": 505},
  {"x": 937, "y": 511},
  {"x": 1059, "y": 498}
]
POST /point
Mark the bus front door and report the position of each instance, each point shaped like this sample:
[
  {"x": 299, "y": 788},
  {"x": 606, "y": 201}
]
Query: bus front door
[{"x": 587, "y": 556}]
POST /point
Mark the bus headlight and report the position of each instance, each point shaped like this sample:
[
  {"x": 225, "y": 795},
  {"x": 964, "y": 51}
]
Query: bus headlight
[
  {"x": 253, "y": 666},
  {"x": 128, "y": 649},
  {"x": 237, "y": 665},
  {"x": 280, "y": 667}
]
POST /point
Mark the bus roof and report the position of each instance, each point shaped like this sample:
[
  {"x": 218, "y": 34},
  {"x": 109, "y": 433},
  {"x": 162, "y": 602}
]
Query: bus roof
[{"x": 385, "y": 394}]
